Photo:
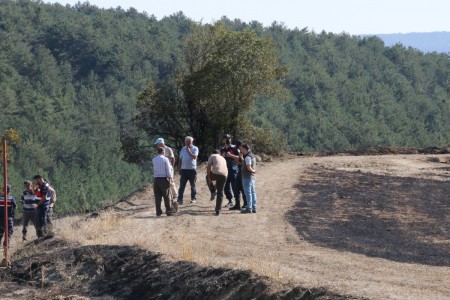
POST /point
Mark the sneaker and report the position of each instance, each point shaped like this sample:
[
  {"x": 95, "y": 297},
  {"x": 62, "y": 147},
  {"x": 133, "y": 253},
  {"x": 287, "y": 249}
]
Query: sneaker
[
  {"x": 213, "y": 195},
  {"x": 193, "y": 201},
  {"x": 244, "y": 207},
  {"x": 170, "y": 214},
  {"x": 254, "y": 211},
  {"x": 217, "y": 212},
  {"x": 180, "y": 202},
  {"x": 246, "y": 211},
  {"x": 229, "y": 204},
  {"x": 175, "y": 206},
  {"x": 235, "y": 208}
]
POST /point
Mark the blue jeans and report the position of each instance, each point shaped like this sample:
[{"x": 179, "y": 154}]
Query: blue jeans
[
  {"x": 250, "y": 193},
  {"x": 185, "y": 176}
]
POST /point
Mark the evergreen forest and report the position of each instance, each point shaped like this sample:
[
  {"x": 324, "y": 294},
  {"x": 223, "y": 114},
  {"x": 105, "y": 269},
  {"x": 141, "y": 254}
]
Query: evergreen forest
[{"x": 70, "y": 77}]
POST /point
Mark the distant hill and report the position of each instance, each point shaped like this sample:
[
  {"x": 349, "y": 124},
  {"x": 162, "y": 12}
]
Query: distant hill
[{"x": 425, "y": 41}]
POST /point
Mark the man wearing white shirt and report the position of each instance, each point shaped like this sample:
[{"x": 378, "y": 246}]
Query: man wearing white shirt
[{"x": 187, "y": 167}]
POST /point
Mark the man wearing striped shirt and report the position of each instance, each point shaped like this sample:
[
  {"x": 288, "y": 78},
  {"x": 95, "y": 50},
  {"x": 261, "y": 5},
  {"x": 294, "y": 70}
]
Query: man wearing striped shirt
[
  {"x": 29, "y": 201},
  {"x": 162, "y": 177}
]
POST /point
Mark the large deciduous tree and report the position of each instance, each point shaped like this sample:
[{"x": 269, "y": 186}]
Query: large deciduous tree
[{"x": 220, "y": 77}]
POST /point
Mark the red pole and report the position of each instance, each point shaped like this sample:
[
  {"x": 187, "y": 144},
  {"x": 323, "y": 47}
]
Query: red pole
[{"x": 5, "y": 196}]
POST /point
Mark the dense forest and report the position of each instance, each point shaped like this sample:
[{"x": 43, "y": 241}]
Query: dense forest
[{"x": 70, "y": 78}]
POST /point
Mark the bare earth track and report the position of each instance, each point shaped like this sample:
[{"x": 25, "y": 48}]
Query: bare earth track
[{"x": 336, "y": 227}]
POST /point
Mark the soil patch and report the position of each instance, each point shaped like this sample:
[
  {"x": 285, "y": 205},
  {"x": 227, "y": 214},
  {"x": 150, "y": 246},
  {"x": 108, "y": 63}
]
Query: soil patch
[
  {"x": 56, "y": 269},
  {"x": 402, "y": 219}
]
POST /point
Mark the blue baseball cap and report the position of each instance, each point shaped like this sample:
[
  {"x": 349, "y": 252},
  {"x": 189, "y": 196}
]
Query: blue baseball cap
[{"x": 159, "y": 141}]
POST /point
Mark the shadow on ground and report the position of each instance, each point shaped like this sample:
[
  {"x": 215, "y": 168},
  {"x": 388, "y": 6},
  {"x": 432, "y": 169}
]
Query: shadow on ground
[
  {"x": 400, "y": 219},
  {"x": 54, "y": 268}
]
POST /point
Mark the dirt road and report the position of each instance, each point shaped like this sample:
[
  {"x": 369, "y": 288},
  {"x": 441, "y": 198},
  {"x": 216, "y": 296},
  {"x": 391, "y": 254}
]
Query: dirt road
[{"x": 376, "y": 227}]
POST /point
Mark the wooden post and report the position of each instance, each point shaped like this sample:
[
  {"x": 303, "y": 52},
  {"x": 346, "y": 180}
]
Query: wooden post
[{"x": 5, "y": 261}]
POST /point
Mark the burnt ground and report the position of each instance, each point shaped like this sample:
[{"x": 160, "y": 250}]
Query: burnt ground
[
  {"x": 343, "y": 205},
  {"x": 359, "y": 212},
  {"x": 54, "y": 269}
]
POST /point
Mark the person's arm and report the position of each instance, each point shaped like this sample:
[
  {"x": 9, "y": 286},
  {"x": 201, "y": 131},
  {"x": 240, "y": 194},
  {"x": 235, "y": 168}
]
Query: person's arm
[
  {"x": 43, "y": 199},
  {"x": 235, "y": 157},
  {"x": 248, "y": 162},
  {"x": 171, "y": 158},
  {"x": 180, "y": 161},
  {"x": 192, "y": 152},
  {"x": 52, "y": 194},
  {"x": 208, "y": 173},
  {"x": 168, "y": 172}
]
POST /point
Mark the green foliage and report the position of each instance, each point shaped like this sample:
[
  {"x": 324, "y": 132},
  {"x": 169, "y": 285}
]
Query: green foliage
[
  {"x": 74, "y": 82},
  {"x": 222, "y": 74}
]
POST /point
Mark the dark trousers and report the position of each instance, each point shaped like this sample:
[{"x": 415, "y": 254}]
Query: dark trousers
[
  {"x": 231, "y": 185},
  {"x": 161, "y": 189},
  {"x": 10, "y": 229},
  {"x": 185, "y": 176},
  {"x": 240, "y": 189},
  {"x": 27, "y": 217},
  {"x": 41, "y": 220},
  {"x": 218, "y": 187}
]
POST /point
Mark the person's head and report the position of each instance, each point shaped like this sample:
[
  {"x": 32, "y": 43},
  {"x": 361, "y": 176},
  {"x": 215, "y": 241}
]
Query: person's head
[
  {"x": 160, "y": 150},
  {"x": 8, "y": 188},
  {"x": 39, "y": 179},
  {"x": 244, "y": 147},
  {"x": 28, "y": 184},
  {"x": 188, "y": 141},
  {"x": 238, "y": 143},
  {"x": 159, "y": 142},
  {"x": 227, "y": 139},
  {"x": 216, "y": 151}
]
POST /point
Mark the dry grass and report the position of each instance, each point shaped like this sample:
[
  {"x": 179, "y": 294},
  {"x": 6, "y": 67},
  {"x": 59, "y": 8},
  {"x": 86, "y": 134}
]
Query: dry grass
[
  {"x": 289, "y": 239},
  {"x": 113, "y": 228}
]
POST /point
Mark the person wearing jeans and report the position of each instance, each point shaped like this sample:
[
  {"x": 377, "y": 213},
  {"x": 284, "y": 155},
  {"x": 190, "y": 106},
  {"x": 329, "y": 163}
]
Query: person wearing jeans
[
  {"x": 187, "y": 167},
  {"x": 248, "y": 178}
]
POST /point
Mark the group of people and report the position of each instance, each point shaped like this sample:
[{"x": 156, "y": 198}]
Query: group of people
[
  {"x": 38, "y": 201},
  {"x": 230, "y": 171}
]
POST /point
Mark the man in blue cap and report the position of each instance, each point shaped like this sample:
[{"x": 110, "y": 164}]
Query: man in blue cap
[{"x": 11, "y": 204}]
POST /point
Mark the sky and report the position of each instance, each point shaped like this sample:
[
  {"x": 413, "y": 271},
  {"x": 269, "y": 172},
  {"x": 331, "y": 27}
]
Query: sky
[{"x": 337, "y": 16}]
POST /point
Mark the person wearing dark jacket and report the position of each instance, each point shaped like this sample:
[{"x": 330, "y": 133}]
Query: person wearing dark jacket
[
  {"x": 229, "y": 151},
  {"x": 43, "y": 191},
  {"x": 11, "y": 204},
  {"x": 29, "y": 201}
]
